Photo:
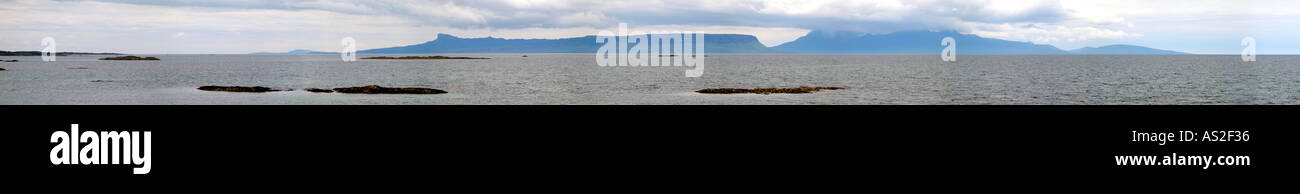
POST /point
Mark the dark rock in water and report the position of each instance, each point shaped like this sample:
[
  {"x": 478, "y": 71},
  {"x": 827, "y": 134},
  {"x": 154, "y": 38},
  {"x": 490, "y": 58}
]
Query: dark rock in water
[
  {"x": 374, "y": 89},
  {"x": 130, "y": 58},
  {"x": 421, "y": 57},
  {"x": 78, "y": 68},
  {"x": 2, "y": 69},
  {"x": 318, "y": 90},
  {"x": 799, "y": 90},
  {"x": 256, "y": 89},
  {"x": 15, "y": 60},
  {"x": 100, "y": 81},
  {"x": 525, "y": 55}
]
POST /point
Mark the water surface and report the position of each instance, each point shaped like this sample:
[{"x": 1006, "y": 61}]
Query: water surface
[{"x": 576, "y": 79}]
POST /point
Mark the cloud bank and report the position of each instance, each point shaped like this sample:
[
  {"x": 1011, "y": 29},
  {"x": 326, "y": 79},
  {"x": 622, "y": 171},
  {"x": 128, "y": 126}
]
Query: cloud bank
[{"x": 241, "y": 26}]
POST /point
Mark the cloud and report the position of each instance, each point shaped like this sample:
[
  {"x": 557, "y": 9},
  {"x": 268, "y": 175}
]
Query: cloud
[
  {"x": 232, "y": 25},
  {"x": 1046, "y": 33}
]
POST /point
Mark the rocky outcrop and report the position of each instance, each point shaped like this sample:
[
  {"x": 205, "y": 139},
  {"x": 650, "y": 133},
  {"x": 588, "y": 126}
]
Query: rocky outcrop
[
  {"x": 254, "y": 89},
  {"x": 11, "y": 61},
  {"x": 2, "y": 69},
  {"x": 799, "y": 90},
  {"x": 374, "y": 89},
  {"x": 318, "y": 90},
  {"x": 130, "y": 58},
  {"x": 421, "y": 57}
]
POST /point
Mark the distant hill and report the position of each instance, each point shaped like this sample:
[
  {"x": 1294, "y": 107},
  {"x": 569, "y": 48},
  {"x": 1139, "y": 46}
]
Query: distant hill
[
  {"x": 927, "y": 42},
  {"x": 1121, "y": 49},
  {"x": 909, "y": 42},
  {"x": 713, "y": 43}
]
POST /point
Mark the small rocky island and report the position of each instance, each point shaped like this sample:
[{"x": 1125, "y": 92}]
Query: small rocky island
[
  {"x": 318, "y": 90},
  {"x": 799, "y": 90},
  {"x": 421, "y": 57},
  {"x": 254, "y": 89},
  {"x": 130, "y": 58},
  {"x": 374, "y": 89},
  {"x": 2, "y": 69}
]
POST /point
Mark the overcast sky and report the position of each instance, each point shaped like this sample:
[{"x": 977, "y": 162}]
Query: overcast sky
[{"x": 243, "y": 26}]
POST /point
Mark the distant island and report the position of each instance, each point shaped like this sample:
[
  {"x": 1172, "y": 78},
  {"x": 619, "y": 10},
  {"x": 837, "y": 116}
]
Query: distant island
[
  {"x": 927, "y": 42},
  {"x": 1121, "y": 49},
  {"x": 815, "y": 42},
  {"x": 130, "y": 58},
  {"x": 421, "y": 57},
  {"x": 445, "y": 43},
  {"x": 38, "y": 53}
]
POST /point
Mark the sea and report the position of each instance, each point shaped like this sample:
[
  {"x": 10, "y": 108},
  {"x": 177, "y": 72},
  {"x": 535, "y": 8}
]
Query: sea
[{"x": 577, "y": 79}]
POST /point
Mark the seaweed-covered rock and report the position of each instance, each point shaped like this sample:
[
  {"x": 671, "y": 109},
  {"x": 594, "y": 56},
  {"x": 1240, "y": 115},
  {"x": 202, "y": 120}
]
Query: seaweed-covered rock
[
  {"x": 254, "y": 89},
  {"x": 130, "y": 58},
  {"x": 799, "y": 90},
  {"x": 318, "y": 90},
  {"x": 374, "y": 89}
]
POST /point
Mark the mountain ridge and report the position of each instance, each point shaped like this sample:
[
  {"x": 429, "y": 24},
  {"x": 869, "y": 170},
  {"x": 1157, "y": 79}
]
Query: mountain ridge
[
  {"x": 445, "y": 43},
  {"x": 1124, "y": 49},
  {"x": 824, "y": 42}
]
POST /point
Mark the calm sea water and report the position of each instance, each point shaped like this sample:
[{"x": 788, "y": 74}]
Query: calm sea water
[{"x": 576, "y": 79}]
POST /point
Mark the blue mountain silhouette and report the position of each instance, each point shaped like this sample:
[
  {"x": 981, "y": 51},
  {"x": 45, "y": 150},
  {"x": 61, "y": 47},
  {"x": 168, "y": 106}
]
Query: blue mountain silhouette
[
  {"x": 903, "y": 42},
  {"x": 927, "y": 42},
  {"x": 1122, "y": 49},
  {"x": 713, "y": 43}
]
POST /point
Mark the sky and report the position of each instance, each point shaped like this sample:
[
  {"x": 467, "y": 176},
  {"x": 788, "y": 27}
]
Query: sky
[{"x": 245, "y": 26}]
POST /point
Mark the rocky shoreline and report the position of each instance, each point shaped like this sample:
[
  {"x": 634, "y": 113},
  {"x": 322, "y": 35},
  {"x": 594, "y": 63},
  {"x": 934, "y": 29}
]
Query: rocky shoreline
[
  {"x": 421, "y": 57},
  {"x": 374, "y": 89},
  {"x": 799, "y": 90},
  {"x": 318, "y": 90},
  {"x": 130, "y": 58},
  {"x": 254, "y": 89}
]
